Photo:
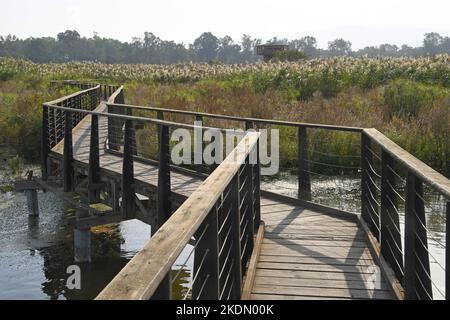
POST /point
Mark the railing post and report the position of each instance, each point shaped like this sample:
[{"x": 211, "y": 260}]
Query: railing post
[
  {"x": 121, "y": 97},
  {"x": 417, "y": 282},
  {"x": 98, "y": 96},
  {"x": 236, "y": 238},
  {"x": 257, "y": 191},
  {"x": 164, "y": 205},
  {"x": 94, "y": 162},
  {"x": 206, "y": 260},
  {"x": 369, "y": 207},
  {"x": 304, "y": 182},
  {"x": 128, "y": 193},
  {"x": 200, "y": 146},
  {"x": 390, "y": 237},
  {"x": 248, "y": 125},
  {"x": 129, "y": 112},
  {"x": 164, "y": 186},
  {"x": 447, "y": 251},
  {"x": 45, "y": 143},
  {"x": 68, "y": 172}
]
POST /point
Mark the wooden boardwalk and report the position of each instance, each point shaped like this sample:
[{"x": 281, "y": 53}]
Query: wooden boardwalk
[{"x": 305, "y": 254}]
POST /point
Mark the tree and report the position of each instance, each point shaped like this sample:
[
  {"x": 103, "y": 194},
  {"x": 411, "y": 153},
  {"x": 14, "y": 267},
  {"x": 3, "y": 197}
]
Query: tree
[
  {"x": 387, "y": 49},
  {"x": 229, "y": 52},
  {"x": 248, "y": 48},
  {"x": 275, "y": 40},
  {"x": 307, "y": 45},
  {"x": 68, "y": 44},
  {"x": 431, "y": 43},
  {"x": 206, "y": 47},
  {"x": 339, "y": 47},
  {"x": 68, "y": 36},
  {"x": 406, "y": 50}
]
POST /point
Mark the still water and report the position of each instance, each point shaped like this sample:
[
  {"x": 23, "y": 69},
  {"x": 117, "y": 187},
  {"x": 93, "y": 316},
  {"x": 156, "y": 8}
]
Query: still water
[{"x": 35, "y": 253}]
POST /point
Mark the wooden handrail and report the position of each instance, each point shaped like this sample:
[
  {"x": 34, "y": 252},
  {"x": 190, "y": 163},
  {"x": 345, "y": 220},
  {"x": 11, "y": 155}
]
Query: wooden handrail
[
  {"x": 113, "y": 97},
  {"x": 427, "y": 174},
  {"x": 142, "y": 275}
]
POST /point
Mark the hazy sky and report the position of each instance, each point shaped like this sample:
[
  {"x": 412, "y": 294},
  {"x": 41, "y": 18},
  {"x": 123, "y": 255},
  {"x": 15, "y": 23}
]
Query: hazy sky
[{"x": 360, "y": 21}]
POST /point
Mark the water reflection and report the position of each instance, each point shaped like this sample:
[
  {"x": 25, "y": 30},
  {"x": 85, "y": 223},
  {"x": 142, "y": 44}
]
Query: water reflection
[{"x": 35, "y": 252}]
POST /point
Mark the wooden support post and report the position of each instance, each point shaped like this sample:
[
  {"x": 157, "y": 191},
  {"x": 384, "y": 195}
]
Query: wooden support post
[
  {"x": 369, "y": 207},
  {"x": 128, "y": 193},
  {"x": 164, "y": 185},
  {"x": 249, "y": 125},
  {"x": 200, "y": 146},
  {"x": 417, "y": 282},
  {"x": 236, "y": 238},
  {"x": 121, "y": 97},
  {"x": 94, "y": 163},
  {"x": 304, "y": 182},
  {"x": 129, "y": 112},
  {"x": 78, "y": 101},
  {"x": 112, "y": 129},
  {"x": 206, "y": 260},
  {"x": 390, "y": 237},
  {"x": 447, "y": 251},
  {"x": 68, "y": 172},
  {"x": 45, "y": 143}
]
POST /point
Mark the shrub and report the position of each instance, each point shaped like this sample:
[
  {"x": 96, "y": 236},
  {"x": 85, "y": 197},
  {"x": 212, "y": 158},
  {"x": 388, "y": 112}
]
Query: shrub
[
  {"x": 289, "y": 55},
  {"x": 404, "y": 98}
]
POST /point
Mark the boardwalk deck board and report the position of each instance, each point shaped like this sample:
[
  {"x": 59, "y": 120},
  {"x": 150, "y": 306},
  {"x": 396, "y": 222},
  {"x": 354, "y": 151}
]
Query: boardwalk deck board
[{"x": 306, "y": 254}]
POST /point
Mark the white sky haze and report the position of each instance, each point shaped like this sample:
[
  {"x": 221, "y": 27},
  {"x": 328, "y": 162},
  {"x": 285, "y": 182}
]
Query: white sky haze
[{"x": 362, "y": 22}]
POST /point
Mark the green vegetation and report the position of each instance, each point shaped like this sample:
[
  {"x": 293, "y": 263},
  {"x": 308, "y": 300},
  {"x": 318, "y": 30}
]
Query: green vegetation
[
  {"x": 150, "y": 49},
  {"x": 289, "y": 55},
  {"x": 408, "y": 99}
]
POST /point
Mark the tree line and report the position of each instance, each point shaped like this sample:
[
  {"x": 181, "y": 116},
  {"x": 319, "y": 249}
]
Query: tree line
[{"x": 150, "y": 49}]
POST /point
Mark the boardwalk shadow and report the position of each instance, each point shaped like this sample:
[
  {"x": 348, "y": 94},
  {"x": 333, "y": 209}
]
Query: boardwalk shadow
[{"x": 349, "y": 267}]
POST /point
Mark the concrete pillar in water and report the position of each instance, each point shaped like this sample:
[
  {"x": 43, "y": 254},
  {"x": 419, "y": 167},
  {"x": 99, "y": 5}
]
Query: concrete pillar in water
[
  {"x": 32, "y": 202},
  {"x": 82, "y": 240},
  {"x": 30, "y": 188},
  {"x": 82, "y": 245}
]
